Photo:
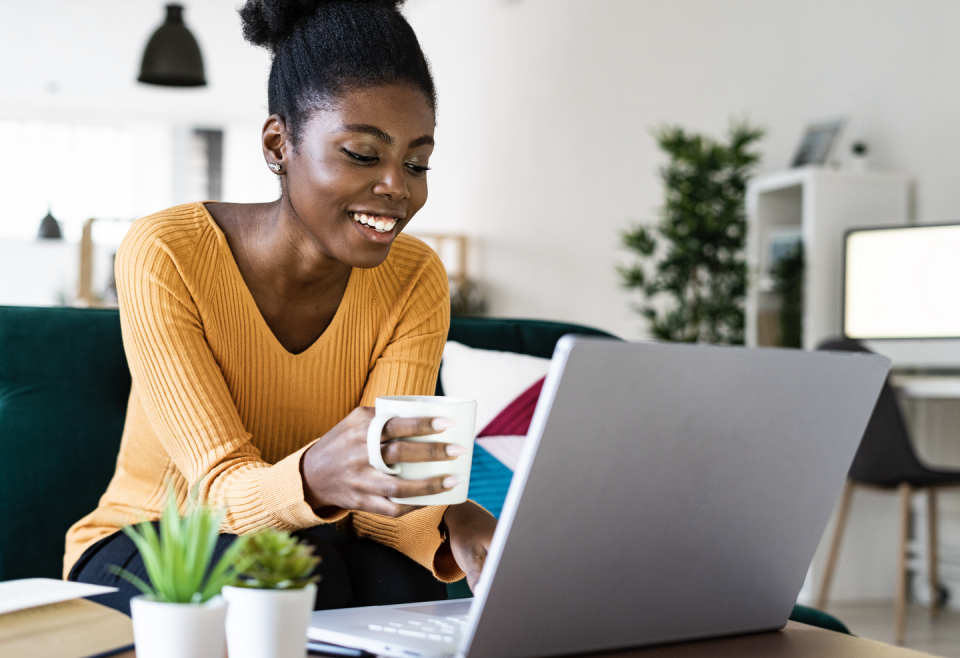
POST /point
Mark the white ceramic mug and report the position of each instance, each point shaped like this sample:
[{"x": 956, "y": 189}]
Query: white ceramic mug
[{"x": 464, "y": 412}]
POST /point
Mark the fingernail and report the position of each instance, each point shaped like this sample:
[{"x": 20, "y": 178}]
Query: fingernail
[
  {"x": 451, "y": 481},
  {"x": 453, "y": 450},
  {"x": 440, "y": 424}
]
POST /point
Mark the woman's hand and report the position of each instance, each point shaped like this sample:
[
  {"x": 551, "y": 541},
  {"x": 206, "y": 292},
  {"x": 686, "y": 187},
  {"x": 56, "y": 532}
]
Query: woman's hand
[
  {"x": 470, "y": 530},
  {"x": 337, "y": 473}
]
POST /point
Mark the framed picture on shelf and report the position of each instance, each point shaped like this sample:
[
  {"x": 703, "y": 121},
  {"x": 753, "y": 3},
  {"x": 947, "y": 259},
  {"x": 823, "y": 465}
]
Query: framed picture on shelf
[{"x": 818, "y": 142}]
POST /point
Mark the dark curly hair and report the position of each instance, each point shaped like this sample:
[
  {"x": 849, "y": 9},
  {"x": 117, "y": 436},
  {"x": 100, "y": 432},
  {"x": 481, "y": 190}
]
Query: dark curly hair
[{"x": 322, "y": 48}]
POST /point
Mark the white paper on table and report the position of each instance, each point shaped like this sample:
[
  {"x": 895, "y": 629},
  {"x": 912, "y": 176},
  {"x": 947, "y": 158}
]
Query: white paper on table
[{"x": 33, "y": 592}]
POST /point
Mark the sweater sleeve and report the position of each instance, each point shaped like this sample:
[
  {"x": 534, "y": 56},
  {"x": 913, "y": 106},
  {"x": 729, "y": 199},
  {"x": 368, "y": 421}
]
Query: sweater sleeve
[
  {"x": 409, "y": 365},
  {"x": 185, "y": 396}
]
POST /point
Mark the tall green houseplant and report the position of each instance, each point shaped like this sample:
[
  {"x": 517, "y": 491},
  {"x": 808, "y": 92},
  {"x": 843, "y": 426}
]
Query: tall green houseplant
[{"x": 690, "y": 268}]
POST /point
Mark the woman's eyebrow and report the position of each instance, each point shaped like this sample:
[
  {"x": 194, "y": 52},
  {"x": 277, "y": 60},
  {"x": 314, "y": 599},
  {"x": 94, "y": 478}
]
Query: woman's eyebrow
[
  {"x": 384, "y": 137},
  {"x": 420, "y": 141}
]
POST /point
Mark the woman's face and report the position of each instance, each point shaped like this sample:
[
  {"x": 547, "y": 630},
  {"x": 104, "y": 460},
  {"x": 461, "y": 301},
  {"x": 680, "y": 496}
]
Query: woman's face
[{"x": 359, "y": 171}]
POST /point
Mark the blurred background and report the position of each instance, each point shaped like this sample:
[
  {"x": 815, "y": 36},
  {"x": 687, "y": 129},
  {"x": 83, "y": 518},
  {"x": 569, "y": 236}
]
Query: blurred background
[{"x": 546, "y": 153}]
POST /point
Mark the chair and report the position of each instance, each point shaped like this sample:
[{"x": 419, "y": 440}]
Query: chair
[{"x": 886, "y": 461}]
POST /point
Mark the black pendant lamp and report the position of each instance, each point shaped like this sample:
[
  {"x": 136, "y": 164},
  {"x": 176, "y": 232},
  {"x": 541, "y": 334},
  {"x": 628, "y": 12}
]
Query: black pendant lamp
[
  {"x": 49, "y": 228},
  {"x": 172, "y": 57}
]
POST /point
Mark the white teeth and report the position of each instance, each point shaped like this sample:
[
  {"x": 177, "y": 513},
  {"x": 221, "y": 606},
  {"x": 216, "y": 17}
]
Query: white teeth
[{"x": 379, "y": 225}]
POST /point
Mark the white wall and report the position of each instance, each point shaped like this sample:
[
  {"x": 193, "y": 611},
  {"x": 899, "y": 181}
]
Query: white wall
[{"x": 544, "y": 150}]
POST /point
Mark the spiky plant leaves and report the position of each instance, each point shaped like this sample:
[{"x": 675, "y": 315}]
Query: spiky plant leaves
[
  {"x": 178, "y": 558},
  {"x": 276, "y": 560}
]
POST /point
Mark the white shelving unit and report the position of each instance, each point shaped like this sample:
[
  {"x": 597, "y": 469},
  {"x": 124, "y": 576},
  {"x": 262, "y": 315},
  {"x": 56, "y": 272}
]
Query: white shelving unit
[{"x": 821, "y": 204}]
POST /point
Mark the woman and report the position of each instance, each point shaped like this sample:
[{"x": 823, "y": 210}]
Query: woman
[{"x": 259, "y": 335}]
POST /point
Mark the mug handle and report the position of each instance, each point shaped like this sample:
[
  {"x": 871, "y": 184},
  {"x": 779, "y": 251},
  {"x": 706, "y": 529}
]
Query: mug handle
[{"x": 374, "y": 432}]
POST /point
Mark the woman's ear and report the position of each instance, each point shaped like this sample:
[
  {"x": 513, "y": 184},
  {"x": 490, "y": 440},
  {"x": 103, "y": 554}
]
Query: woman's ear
[{"x": 274, "y": 141}]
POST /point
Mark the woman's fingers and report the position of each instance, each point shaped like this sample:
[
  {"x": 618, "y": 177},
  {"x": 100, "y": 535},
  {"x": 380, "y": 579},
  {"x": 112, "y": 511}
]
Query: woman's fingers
[
  {"x": 412, "y": 451},
  {"x": 388, "y": 486},
  {"x": 401, "y": 428}
]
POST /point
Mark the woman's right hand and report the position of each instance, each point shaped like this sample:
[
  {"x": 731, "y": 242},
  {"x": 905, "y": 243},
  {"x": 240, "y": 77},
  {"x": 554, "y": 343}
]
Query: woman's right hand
[{"x": 337, "y": 473}]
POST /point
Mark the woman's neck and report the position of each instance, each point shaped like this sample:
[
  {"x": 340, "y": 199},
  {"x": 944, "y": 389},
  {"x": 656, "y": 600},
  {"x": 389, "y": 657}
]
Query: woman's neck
[{"x": 296, "y": 286}]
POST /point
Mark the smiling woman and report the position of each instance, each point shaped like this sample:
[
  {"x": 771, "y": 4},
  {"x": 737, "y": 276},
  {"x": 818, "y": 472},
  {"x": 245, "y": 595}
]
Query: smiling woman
[{"x": 260, "y": 335}]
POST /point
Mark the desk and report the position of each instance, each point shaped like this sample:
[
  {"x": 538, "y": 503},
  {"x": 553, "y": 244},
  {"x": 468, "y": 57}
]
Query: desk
[
  {"x": 794, "y": 641},
  {"x": 927, "y": 386}
]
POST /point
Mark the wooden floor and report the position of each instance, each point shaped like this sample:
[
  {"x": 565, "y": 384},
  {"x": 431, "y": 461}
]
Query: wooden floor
[{"x": 875, "y": 621}]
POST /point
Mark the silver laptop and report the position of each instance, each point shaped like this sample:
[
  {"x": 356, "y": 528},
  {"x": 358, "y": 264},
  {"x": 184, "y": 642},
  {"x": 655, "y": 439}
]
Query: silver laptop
[{"x": 666, "y": 492}]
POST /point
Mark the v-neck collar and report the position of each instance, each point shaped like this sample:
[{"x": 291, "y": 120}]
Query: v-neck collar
[{"x": 251, "y": 303}]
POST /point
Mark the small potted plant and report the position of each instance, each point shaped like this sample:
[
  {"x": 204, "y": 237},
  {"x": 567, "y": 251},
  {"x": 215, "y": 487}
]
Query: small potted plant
[
  {"x": 272, "y": 598},
  {"x": 181, "y": 612}
]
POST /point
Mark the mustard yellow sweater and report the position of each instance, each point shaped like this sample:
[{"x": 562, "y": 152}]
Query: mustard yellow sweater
[{"x": 216, "y": 398}]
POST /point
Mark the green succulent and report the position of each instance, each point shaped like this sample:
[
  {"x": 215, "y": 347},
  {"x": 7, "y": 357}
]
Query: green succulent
[
  {"x": 276, "y": 560},
  {"x": 178, "y": 558}
]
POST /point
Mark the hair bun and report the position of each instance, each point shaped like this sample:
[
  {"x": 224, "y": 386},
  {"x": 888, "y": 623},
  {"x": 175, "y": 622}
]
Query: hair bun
[{"x": 267, "y": 22}]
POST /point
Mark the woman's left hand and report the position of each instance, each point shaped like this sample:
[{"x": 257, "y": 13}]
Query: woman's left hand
[{"x": 470, "y": 530}]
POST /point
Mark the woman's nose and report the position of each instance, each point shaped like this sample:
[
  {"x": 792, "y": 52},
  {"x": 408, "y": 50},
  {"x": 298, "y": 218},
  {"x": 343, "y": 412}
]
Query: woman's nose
[{"x": 393, "y": 183}]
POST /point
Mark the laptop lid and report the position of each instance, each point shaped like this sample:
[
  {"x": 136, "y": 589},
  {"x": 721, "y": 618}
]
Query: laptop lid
[{"x": 669, "y": 492}]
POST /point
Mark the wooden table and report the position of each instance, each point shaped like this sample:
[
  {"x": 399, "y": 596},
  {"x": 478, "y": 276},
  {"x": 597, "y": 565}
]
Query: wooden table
[{"x": 794, "y": 641}]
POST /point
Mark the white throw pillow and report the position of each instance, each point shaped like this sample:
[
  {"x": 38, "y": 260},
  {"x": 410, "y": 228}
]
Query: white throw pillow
[
  {"x": 494, "y": 379},
  {"x": 505, "y": 448}
]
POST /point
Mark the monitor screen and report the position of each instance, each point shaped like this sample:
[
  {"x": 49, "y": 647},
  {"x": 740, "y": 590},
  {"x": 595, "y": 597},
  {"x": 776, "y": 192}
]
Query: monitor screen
[{"x": 902, "y": 283}]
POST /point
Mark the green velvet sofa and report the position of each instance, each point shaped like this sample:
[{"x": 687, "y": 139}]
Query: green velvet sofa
[{"x": 64, "y": 385}]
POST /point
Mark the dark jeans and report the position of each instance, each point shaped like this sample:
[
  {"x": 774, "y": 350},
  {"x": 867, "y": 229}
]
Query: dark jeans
[{"x": 354, "y": 572}]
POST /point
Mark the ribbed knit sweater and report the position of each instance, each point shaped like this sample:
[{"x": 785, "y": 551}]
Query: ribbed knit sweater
[{"x": 217, "y": 399}]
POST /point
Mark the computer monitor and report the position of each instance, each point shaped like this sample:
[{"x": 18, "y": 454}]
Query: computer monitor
[{"x": 901, "y": 293}]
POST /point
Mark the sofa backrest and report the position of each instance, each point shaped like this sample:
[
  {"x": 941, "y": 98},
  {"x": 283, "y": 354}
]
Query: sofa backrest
[
  {"x": 64, "y": 385},
  {"x": 533, "y": 337}
]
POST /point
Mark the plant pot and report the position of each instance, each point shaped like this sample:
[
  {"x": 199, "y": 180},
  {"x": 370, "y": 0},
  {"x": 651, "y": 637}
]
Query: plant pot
[
  {"x": 178, "y": 630},
  {"x": 268, "y": 623}
]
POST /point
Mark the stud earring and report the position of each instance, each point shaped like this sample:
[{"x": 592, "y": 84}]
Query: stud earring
[{"x": 276, "y": 167}]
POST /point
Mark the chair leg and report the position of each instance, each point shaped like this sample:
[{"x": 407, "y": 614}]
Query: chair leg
[
  {"x": 932, "y": 551},
  {"x": 905, "y": 495},
  {"x": 842, "y": 513}
]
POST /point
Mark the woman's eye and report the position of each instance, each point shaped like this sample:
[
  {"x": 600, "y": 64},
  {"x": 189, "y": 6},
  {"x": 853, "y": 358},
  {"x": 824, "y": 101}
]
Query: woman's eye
[
  {"x": 359, "y": 158},
  {"x": 417, "y": 169}
]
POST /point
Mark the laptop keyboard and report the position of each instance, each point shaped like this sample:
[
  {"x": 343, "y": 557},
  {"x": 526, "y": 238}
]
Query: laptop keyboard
[{"x": 438, "y": 629}]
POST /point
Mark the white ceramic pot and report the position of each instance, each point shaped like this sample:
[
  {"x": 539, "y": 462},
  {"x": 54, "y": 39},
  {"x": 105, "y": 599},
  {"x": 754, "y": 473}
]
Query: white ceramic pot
[
  {"x": 178, "y": 630},
  {"x": 268, "y": 623}
]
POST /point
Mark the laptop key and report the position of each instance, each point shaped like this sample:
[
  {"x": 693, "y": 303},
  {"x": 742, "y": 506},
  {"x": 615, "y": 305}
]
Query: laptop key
[
  {"x": 375, "y": 627},
  {"x": 432, "y": 636},
  {"x": 404, "y": 631}
]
